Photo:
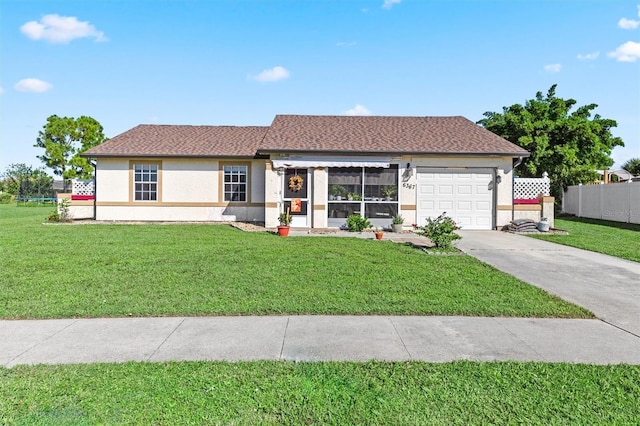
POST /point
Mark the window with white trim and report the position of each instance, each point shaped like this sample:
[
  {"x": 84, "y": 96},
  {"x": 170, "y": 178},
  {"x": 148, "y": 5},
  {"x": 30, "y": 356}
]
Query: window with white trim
[
  {"x": 235, "y": 183},
  {"x": 145, "y": 182}
]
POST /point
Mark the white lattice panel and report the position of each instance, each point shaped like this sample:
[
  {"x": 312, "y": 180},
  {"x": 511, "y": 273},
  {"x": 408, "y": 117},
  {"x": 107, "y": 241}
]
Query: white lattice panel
[
  {"x": 530, "y": 188},
  {"x": 82, "y": 187}
]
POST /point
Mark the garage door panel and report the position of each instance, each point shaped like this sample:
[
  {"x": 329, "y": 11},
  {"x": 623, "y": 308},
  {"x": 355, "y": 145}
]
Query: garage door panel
[
  {"x": 465, "y": 189},
  {"x": 444, "y": 205},
  {"x": 444, "y": 190},
  {"x": 465, "y": 195},
  {"x": 426, "y": 205},
  {"x": 426, "y": 189},
  {"x": 464, "y": 206}
]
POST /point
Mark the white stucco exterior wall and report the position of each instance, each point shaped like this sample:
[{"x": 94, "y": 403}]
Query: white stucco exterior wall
[
  {"x": 112, "y": 180},
  {"x": 189, "y": 180},
  {"x": 189, "y": 190},
  {"x": 319, "y": 198},
  {"x": 272, "y": 196}
]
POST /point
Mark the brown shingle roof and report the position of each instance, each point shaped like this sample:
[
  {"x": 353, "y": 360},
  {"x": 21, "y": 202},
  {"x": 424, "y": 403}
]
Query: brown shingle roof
[
  {"x": 310, "y": 133},
  {"x": 148, "y": 140},
  {"x": 369, "y": 134}
]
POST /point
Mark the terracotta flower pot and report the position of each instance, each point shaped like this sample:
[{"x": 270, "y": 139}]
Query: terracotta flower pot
[
  {"x": 379, "y": 235},
  {"x": 283, "y": 231}
]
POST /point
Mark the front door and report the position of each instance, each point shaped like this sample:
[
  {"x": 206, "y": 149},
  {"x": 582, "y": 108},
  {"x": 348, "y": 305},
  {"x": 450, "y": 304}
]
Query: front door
[{"x": 296, "y": 196}]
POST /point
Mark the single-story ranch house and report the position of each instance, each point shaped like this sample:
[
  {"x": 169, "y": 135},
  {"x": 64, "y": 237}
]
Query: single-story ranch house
[{"x": 321, "y": 168}]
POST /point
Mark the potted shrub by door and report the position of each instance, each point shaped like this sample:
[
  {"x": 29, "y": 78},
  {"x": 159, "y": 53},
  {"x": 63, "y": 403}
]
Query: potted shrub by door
[
  {"x": 396, "y": 223},
  {"x": 378, "y": 232},
  {"x": 285, "y": 222}
]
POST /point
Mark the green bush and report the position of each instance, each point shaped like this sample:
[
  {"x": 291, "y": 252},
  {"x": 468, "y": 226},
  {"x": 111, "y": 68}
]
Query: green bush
[
  {"x": 357, "y": 223},
  {"x": 440, "y": 231},
  {"x": 6, "y": 198}
]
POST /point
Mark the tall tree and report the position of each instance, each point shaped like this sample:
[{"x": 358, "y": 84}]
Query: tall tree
[
  {"x": 24, "y": 181},
  {"x": 632, "y": 165},
  {"x": 565, "y": 142},
  {"x": 64, "y": 139}
]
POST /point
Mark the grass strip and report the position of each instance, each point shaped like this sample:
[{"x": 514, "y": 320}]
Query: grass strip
[
  {"x": 290, "y": 393},
  {"x": 613, "y": 238}
]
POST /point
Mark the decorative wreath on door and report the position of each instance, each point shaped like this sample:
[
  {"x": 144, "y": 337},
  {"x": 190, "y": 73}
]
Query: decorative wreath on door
[{"x": 295, "y": 183}]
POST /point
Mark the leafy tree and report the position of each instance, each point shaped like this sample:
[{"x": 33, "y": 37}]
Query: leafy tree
[
  {"x": 632, "y": 166},
  {"x": 24, "y": 181},
  {"x": 569, "y": 145},
  {"x": 64, "y": 139}
]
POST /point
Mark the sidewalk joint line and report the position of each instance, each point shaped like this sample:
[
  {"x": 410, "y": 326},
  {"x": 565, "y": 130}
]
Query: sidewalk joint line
[
  {"x": 165, "y": 339},
  {"x": 620, "y": 328},
  {"x": 404, "y": 345},
  {"x": 532, "y": 349},
  {"x": 42, "y": 341},
  {"x": 284, "y": 337}
]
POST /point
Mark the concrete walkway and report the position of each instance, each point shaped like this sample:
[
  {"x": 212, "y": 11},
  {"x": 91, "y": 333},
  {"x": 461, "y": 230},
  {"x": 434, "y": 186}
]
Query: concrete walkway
[{"x": 608, "y": 286}]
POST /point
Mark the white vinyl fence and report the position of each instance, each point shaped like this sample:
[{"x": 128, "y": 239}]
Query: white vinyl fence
[{"x": 619, "y": 202}]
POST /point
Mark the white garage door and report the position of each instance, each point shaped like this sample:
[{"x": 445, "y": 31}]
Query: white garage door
[{"x": 466, "y": 195}]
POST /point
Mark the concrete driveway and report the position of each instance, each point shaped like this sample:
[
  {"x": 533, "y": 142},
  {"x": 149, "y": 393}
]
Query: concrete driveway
[{"x": 607, "y": 286}]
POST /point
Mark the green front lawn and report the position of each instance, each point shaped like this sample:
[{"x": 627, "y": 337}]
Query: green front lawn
[
  {"x": 613, "y": 238},
  {"x": 407, "y": 393},
  {"x": 53, "y": 271}
]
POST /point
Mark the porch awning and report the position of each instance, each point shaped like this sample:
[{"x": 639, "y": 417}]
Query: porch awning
[{"x": 305, "y": 162}]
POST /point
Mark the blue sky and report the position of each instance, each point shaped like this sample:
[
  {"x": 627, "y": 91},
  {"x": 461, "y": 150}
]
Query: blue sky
[{"x": 243, "y": 62}]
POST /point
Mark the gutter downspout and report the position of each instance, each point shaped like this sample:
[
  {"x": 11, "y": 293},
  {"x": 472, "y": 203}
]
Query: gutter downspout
[
  {"x": 95, "y": 188},
  {"x": 513, "y": 185}
]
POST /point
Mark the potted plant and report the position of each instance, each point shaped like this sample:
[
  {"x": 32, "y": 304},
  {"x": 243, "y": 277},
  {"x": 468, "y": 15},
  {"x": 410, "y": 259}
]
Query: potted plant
[
  {"x": 285, "y": 222},
  {"x": 388, "y": 192},
  {"x": 337, "y": 191},
  {"x": 396, "y": 223},
  {"x": 378, "y": 232},
  {"x": 544, "y": 225}
]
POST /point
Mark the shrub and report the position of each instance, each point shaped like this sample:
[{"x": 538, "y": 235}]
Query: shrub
[
  {"x": 6, "y": 198},
  {"x": 357, "y": 223},
  {"x": 61, "y": 212},
  {"x": 285, "y": 219},
  {"x": 440, "y": 231}
]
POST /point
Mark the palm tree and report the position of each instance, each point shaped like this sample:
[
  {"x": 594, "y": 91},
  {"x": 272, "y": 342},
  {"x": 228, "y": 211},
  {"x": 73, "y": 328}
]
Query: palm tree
[{"x": 632, "y": 166}]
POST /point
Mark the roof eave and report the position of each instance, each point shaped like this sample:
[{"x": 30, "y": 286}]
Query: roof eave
[
  {"x": 167, "y": 156},
  {"x": 395, "y": 153}
]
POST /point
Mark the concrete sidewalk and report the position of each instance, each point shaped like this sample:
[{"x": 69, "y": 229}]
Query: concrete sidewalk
[
  {"x": 607, "y": 286},
  {"x": 314, "y": 338}
]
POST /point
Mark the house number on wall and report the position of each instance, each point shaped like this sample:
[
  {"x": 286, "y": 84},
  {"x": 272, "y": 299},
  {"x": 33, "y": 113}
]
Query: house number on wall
[{"x": 408, "y": 185}]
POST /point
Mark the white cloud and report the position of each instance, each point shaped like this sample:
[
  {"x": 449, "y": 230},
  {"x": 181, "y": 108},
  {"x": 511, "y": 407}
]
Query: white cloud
[
  {"x": 628, "y": 52},
  {"x": 32, "y": 85},
  {"x": 589, "y": 56},
  {"x": 388, "y": 4},
  {"x": 628, "y": 24},
  {"x": 553, "y": 67},
  {"x": 1, "y": 90},
  {"x": 60, "y": 29},
  {"x": 273, "y": 74},
  {"x": 358, "y": 110}
]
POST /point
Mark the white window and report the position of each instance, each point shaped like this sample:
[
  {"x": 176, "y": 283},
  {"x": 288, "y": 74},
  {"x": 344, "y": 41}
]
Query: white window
[
  {"x": 235, "y": 183},
  {"x": 145, "y": 182}
]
